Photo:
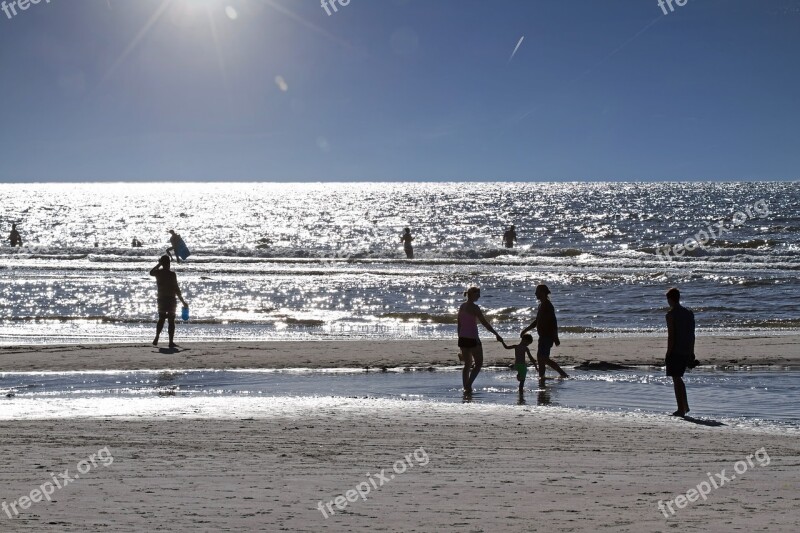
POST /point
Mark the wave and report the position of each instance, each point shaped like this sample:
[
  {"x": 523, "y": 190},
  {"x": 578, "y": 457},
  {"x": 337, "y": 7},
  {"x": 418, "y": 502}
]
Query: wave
[
  {"x": 421, "y": 317},
  {"x": 770, "y": 323},
  {"x": 754, "y": 254}
]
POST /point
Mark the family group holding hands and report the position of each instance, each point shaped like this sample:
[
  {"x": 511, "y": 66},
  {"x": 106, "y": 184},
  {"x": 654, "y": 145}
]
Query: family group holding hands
[
  {"x": 469, "y": 314},
  {"x": 680, "y": 342}
]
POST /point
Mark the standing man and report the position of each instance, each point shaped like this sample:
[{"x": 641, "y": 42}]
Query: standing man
[
  {"x": 680, "y": 347},
  {"x": 546, "y": 326},
  {"x": 14, "y": 237},
  {"x": 168, "y": 291},
  {"x": 510, "y": 236}
]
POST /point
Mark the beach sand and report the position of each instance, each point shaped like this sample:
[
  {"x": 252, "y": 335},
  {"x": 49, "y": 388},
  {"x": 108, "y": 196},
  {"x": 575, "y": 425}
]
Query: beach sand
[
  {"x": 490, "y": 468},
  {"x": 711, "y": 350}
]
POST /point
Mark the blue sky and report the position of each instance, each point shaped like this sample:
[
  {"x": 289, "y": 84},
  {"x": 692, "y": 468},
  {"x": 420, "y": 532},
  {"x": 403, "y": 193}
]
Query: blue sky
[{"x": 278, "y": 90}]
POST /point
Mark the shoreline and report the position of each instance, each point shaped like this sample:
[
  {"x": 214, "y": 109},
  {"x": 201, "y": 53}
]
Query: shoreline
[{"x": 721, "y": 350}]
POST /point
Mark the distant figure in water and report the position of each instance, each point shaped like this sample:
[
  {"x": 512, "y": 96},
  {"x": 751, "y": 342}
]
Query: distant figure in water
[
  {"x": 406, "y": 239},
  {"x": 14, "y": 237},
  {"x": 176, "y": 243},
  {"x": 136, "y": 243},
  {"x": 547, "y": 327},
  {"x": 168, "y": 291},
  {"x": 520, "y": 365},
  {"x": 469, "y": 314},
  {"x": 680, "y": 347},
  {"x": 510, "y": 236}
]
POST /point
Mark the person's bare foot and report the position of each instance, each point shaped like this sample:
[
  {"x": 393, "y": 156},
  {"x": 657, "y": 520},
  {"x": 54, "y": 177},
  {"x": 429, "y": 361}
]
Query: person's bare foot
[
  {"x": 155, "y": 341},
  {"x": 173, "y": 345},
  {"x": 679, "y": 413}
]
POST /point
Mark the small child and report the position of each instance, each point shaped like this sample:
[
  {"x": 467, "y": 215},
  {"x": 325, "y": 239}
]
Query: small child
[{"x": 520, "y": 350}]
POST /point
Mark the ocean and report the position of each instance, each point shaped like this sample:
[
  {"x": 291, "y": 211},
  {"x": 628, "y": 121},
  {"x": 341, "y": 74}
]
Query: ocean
[{"x": 273, "y": 261}]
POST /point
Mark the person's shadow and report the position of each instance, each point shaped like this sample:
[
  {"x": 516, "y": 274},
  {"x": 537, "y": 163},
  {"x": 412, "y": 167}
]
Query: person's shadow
[
  {"x": 704, "y": 422},
  {"x": 169, "y": 351},
  {"x": 542, "y": 394}
]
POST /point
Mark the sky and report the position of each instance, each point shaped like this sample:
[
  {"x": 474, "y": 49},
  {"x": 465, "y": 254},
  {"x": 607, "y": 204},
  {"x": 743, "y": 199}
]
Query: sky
[{"x": 399, "y": 90}]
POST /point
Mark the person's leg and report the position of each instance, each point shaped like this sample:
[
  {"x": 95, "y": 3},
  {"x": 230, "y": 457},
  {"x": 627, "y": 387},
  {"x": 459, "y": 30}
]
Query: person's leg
[
  {"x": 543, "y": 357},
  {"x": 557, "y": 368},
  {"x": 171, "y": 329},
  {"x": 466, "y": 356},
  {"x": 680, "y": 396},
  {"x": 684, "y": 397},
  {"x": 541, "y": 363},
  {"x": 159, "y": 327},
  {"x": 522, "y": 372},
  {"x": 477, "y": 354}
]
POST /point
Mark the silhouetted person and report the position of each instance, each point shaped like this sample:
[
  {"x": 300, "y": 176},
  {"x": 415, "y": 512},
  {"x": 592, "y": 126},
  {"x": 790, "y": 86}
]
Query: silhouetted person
[
  {"x": 168, "y": 291},
  {"x": 136, "y": 243},
  {"x": 177, "y": 245},
  {"x": 406, "y": 239},
  {"x": 520, "y": 351},
  {"x": 680, "y": 347},
  {"x": 14, "y": 237},
  {"x": 547, "y": 327},
  {"x": 469, "y": 314},
  {"x": 510, "y": 237}
]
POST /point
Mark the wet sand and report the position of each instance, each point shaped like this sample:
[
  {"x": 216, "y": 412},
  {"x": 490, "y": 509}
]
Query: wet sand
[
  {"x": 489, "y": 468},
  {"x": 711, "y": 350}
]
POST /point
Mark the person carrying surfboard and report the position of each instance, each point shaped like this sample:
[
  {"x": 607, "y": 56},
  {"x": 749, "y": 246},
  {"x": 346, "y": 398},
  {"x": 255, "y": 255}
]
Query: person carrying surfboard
[{"x": 178, "y": 246}]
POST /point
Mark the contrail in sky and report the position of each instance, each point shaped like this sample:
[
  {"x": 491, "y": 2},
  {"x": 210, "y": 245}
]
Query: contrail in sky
[{"x": 519, "y": 43}]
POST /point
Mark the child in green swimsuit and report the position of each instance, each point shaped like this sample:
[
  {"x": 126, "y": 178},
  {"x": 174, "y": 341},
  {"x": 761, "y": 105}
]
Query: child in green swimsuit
[{"x": 520, "y": 350}]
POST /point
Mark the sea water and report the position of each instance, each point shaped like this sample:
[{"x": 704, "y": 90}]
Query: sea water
[{"x": 318, "y": 261}]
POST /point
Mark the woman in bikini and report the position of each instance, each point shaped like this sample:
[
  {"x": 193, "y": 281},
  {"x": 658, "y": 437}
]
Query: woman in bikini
[{"x": 469, "y": 314}]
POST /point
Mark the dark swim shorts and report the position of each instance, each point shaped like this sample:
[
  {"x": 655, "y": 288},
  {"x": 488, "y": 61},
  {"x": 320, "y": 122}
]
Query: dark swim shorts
[
  {"x": 677, "y": 364},
  {"x": 167, "y": 305},
  {"x": 544, "y": 347}
]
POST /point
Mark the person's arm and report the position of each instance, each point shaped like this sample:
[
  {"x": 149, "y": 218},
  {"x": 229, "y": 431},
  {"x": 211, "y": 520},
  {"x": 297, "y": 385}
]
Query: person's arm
[
  {"x": 526, "y": 330},
  {"x": 178, "y": 290},
  {"x": 489, "y": 328},
  {"x": 180, "y": 296},
  {"x": 555, "y": 329},
  {"x": 535, "y": 364},
  {"x": 506, "y": 346},
  {"x": 670, "y": 334},
  {"x": 154, "y": 270}
]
